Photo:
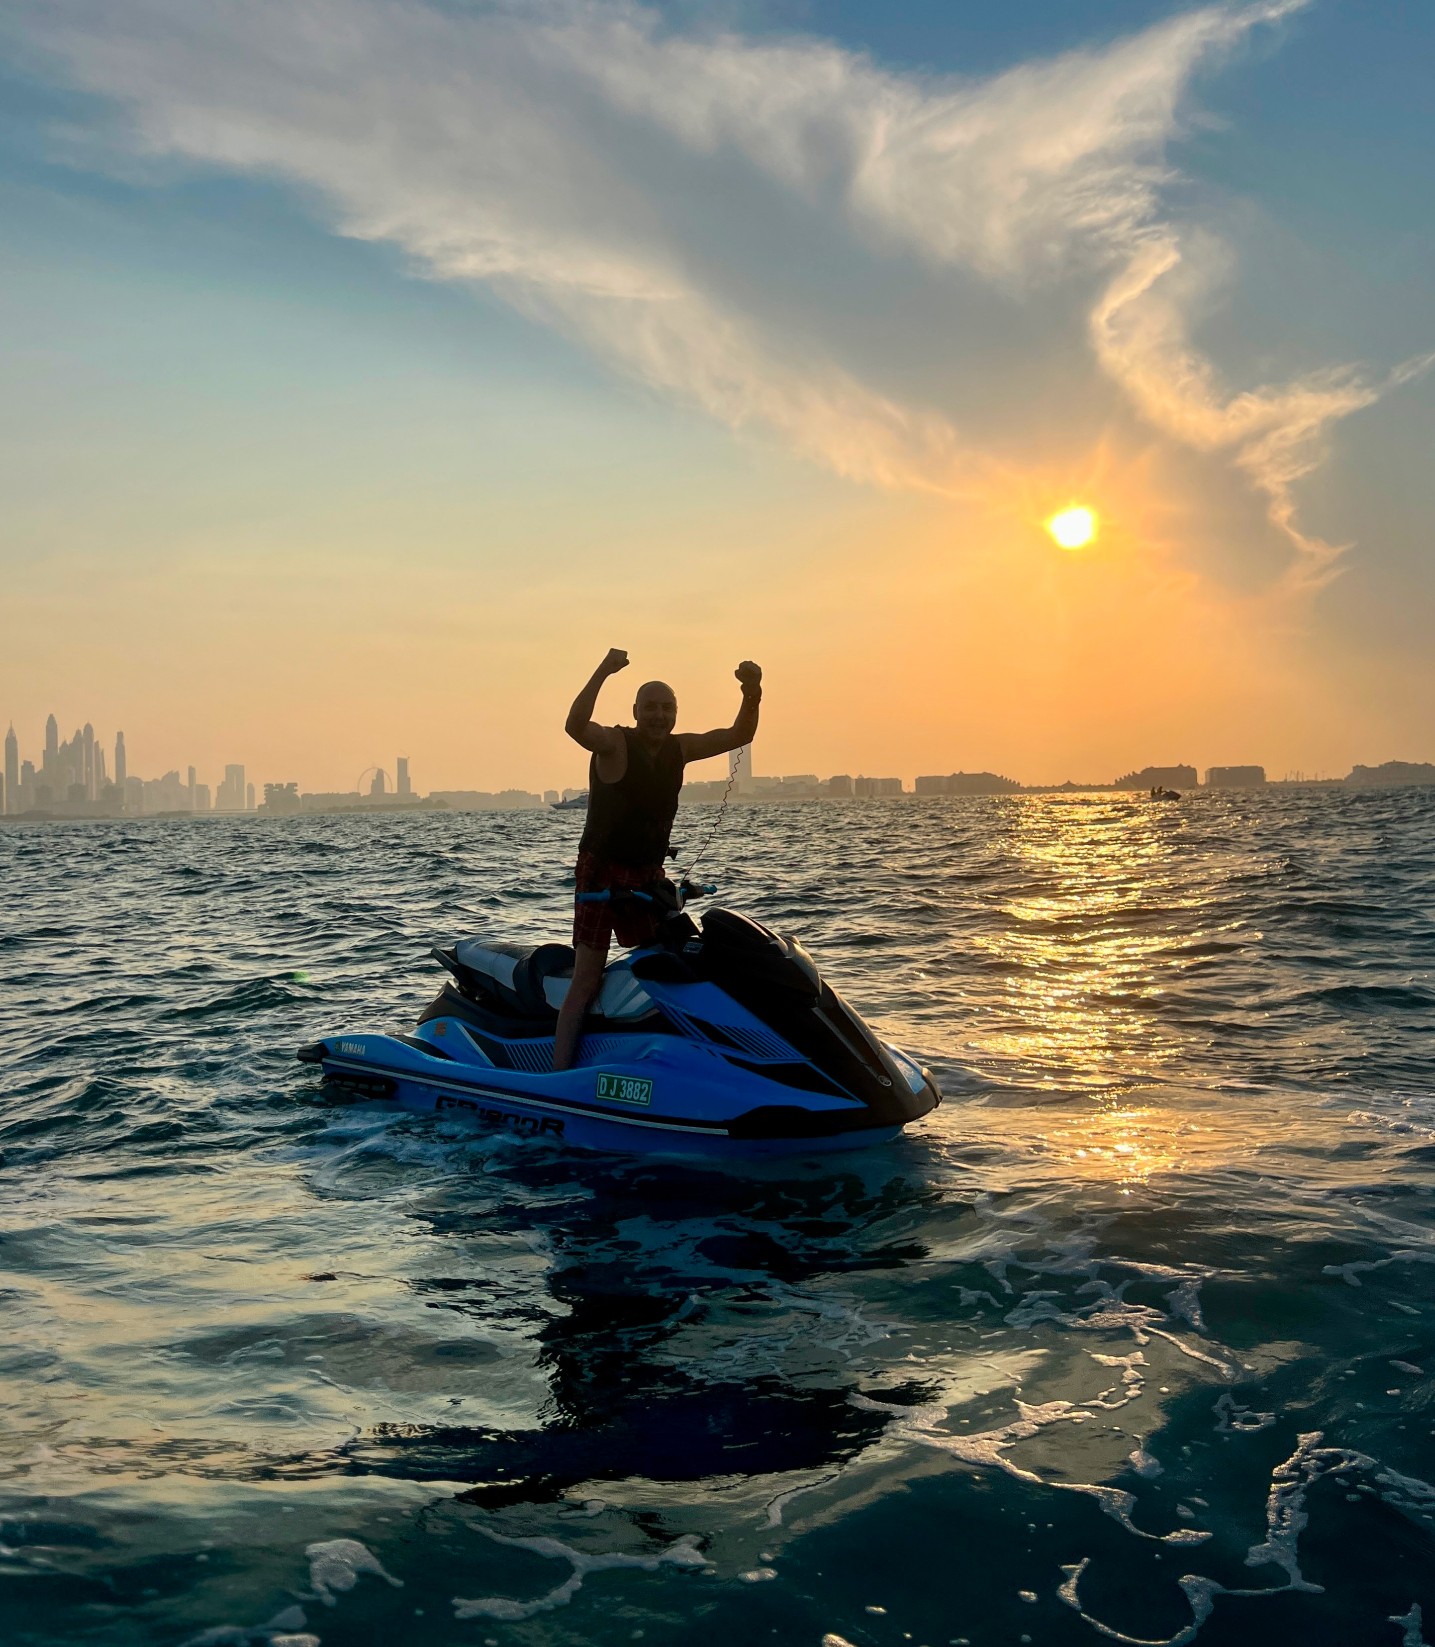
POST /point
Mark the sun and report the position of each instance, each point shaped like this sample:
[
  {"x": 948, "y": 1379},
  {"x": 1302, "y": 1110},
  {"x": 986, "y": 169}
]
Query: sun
[{"x": 1073, "y": 528}]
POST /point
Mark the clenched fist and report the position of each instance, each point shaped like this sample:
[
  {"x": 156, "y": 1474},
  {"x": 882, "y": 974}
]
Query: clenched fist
[
  {"x": 617, "y": 659},
  {"x": 748, "y": 673}
]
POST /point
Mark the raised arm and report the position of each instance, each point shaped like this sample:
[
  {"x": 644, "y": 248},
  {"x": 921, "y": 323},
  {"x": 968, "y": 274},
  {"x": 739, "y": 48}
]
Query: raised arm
[
  {"x": 699, "y": 746},
  {"x": 580, "y": 725}
]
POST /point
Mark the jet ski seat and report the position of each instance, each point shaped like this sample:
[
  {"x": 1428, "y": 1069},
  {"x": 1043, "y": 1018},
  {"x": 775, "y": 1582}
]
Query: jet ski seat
[
  {"x": 514, "y": 973},
  {"x": 534, "y": 981}
]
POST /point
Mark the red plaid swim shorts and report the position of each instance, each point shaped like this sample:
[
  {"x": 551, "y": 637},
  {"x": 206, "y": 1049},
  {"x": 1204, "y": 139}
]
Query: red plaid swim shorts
[{"x": 597, "y": 924}]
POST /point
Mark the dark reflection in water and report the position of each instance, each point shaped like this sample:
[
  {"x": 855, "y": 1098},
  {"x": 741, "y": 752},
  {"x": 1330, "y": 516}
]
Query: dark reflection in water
[{"x": 619, "y": 1407}]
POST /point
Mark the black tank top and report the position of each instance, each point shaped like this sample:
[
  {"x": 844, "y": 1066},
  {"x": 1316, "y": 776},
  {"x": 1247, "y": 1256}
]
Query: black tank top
[{"x": 629, "y": 821}]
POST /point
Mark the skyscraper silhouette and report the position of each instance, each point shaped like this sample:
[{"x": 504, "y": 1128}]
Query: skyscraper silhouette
[
  {"x": 52, "y": 743},
  {"x": 12, "y": 771},
  {"x": 121, "y": 768},
  {"x": 231, "y": 792},
  {"x": 403, "y": 771}
]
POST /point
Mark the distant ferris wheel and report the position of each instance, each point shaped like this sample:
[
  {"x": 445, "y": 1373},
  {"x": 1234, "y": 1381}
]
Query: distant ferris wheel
[{"x": 365, "y": 780}]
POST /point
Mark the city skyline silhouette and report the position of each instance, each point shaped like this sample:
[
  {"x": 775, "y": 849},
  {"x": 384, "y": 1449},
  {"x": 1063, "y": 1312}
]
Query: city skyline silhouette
[{"x": 74, "y": 777}]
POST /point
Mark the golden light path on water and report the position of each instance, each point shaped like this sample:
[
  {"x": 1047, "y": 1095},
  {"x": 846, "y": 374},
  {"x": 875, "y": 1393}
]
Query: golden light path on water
[{"x": 1104, "y": 918}]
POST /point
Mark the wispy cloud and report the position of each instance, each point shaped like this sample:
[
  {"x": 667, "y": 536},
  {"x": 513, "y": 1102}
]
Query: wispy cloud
[{"x": 628, "y": 183}]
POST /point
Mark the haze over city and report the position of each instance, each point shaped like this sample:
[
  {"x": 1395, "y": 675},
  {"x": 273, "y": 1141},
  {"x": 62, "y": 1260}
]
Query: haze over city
[
  {"x": 336, "y": 425},
  {"x": 75, "y": 777}
]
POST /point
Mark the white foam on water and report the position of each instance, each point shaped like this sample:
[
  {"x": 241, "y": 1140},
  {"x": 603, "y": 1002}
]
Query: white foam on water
[
  {"x": 786, "y": 1322},
  {"x": 1234, "y": 1420},
  {"x": 1411, "y": 1623},
  {"x": 1154, "y": 1272},
  {"x": 1185, "y": 1303},
  {"x": 335, "y": 1565},
  {"x": 987, "y": 1449},
  {"x": 1133, "y": 1379},
  {"x": 1147, "y": 1467},
  {"x": 1200, "y": 1592},
  {"x": 1286, "y": 1519},
  {"x": 1227, "y": 1369},
  {"x": 1352, "y": 1272},
  {"x": 285, "y": 1629},
  {"x": 758, "y": 1575},
  {"x": 1111, "y": 1312},
  {"x": 1408, "y": 1492},
  {"x": 832, "y": 1639},
  {"x": 777, "y": 1506},
  {"x": 1286, "y": 1516},
  {"x": 683, "y": 1553}
]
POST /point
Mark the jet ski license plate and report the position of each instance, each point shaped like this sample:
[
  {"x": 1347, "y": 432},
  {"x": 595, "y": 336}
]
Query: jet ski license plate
[{"x": 627, "y": 1089}]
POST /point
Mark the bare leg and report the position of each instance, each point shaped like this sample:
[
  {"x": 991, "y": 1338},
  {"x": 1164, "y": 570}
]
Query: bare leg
[{"x": 588, "y": 964}]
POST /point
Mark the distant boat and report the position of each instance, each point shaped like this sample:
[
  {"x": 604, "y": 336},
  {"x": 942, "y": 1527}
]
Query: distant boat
[
  {"x": 574, "y": 803},
  {"x": 1161, "y": 793}
]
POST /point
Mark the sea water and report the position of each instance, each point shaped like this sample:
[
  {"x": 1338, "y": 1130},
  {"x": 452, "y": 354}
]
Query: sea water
[{"x": 1132, "y": 1340}]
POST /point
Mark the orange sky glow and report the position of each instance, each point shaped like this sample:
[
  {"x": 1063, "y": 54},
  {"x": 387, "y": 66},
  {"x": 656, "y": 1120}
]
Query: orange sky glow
[{"x": 326, "y": 445}]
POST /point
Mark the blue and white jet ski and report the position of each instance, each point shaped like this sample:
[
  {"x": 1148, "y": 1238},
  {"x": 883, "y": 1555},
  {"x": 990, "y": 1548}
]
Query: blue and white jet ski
[{"x": 720, "y": 1039}]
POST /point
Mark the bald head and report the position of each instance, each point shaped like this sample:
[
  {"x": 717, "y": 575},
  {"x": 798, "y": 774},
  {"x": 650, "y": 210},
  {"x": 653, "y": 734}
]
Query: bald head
[{"x": 655, "y": 709}]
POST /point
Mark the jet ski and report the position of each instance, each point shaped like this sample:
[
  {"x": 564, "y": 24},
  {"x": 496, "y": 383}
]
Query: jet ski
[{"x": 721, "y": 1039}]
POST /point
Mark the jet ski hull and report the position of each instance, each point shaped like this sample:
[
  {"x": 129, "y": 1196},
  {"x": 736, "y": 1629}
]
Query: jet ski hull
[
  {"x": 551, "y": 1120},
  {"x": 749, "y": 1120},
  {"x": 730, "y": 1046}
]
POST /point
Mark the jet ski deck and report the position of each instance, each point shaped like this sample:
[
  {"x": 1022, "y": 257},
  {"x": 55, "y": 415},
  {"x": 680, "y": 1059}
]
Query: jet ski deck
[{"x": 720, "y": 1040}]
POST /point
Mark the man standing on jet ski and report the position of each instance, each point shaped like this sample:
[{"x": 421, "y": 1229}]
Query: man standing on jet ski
[{"x": 634, "y": 778}]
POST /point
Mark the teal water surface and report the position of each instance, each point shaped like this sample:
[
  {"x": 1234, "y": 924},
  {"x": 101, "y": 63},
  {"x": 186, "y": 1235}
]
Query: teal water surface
[{"x": 1133, "y": 1339}]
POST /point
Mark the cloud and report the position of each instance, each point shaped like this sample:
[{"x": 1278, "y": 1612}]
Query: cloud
[{"x": 635, "y": 186}]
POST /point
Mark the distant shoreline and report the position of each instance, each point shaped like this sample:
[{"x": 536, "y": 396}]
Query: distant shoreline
[{"x": 906, "y": 798}]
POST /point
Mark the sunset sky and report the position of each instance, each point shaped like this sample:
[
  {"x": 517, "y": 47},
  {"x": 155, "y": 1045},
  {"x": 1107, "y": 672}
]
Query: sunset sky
[{"x": 371, "y": 366}]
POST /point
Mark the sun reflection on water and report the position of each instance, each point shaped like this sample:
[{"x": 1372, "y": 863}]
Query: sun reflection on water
[
  {"x": 1123, "y": 1144},
  {"x": 1101, "y": 925}
]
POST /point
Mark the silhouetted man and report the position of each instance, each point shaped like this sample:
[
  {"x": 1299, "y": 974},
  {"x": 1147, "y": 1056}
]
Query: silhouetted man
[{"x": 633, "y": 781}]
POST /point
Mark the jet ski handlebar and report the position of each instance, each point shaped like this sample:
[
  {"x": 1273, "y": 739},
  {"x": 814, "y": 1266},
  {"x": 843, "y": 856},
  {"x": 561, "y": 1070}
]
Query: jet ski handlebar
[{"x": 662, "y": 894}]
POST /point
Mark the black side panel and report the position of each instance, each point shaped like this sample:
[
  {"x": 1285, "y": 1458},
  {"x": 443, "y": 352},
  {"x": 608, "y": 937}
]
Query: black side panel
[
  {"x": 428, "y": 1049},
  {"x": 488, "y": 1015},
  {"x": 800, "y": 1077},
  {"x": 787, "y": 1121},
  {"x": 663, "y": 967}
]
